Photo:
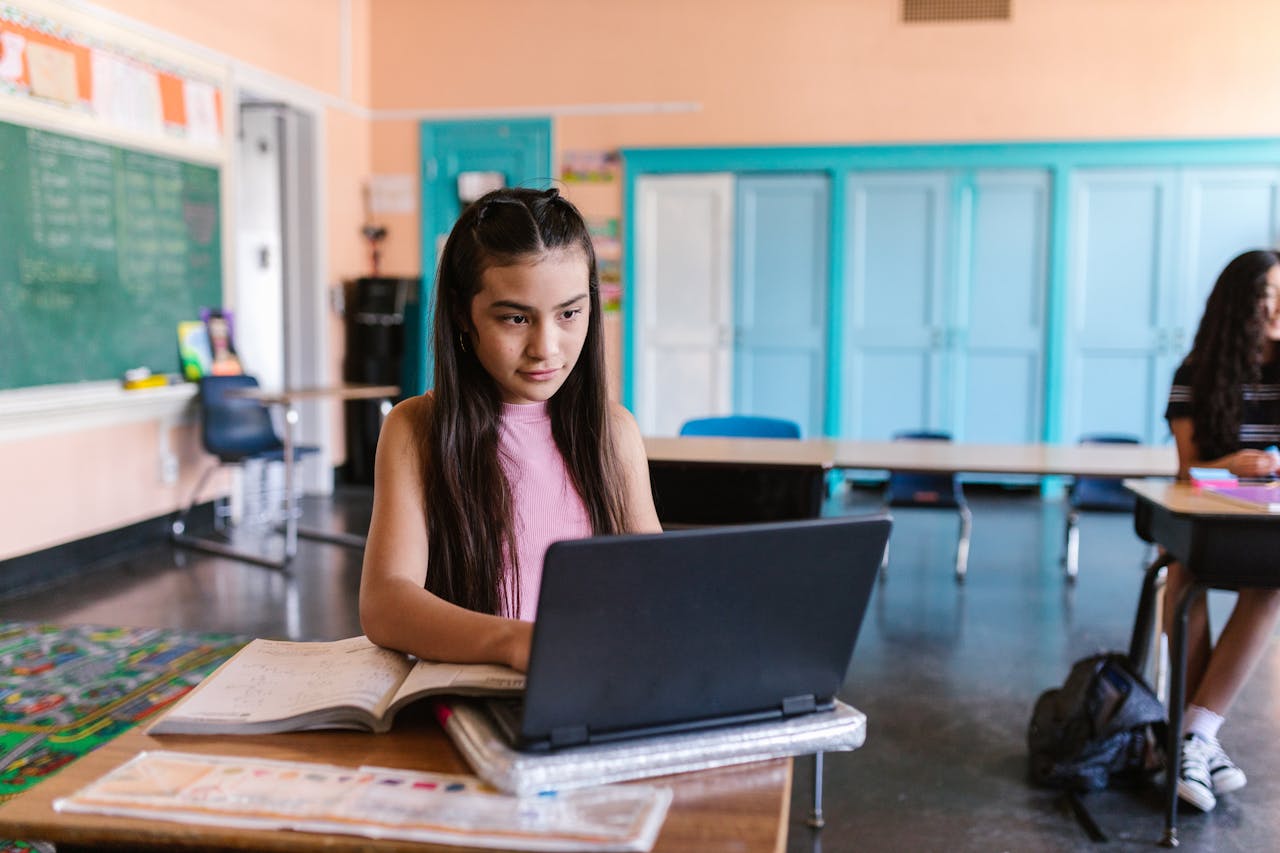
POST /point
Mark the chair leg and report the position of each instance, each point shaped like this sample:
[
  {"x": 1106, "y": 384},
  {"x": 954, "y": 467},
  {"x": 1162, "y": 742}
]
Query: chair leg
[
  {"x": 179, "y": 525},
  {"x": 1071, "y": 551},
  {"x": 816, "y": 820},
  {"x": 884, "y": 558},
  {"x": 179, "y": 536},
  {"x": 962, "y": 545}
]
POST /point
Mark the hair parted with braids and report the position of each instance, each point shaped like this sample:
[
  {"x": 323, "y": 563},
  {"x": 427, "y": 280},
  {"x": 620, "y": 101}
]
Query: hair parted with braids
[
  {"x": 468, "y": 500},
  {"x": 1227, "y": 352}
]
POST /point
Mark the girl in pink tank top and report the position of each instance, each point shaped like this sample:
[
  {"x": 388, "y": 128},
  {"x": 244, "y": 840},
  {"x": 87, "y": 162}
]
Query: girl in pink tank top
[{"x": 516, "y": 447}]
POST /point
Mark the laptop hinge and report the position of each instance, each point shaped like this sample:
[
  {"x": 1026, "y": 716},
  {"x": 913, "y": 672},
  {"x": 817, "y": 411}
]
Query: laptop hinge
[
  {"x": 568, "y": 735},
  {"x": 793, "y": 705}
]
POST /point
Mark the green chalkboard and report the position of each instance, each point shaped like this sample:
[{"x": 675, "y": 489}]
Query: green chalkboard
[{"x": 102, "y": 251}]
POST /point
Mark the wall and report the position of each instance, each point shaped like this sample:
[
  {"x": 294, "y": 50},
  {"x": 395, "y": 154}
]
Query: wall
[
  {"x": 673, "y": 73},
  {"x": 772, "y": 72},
  {"x": 74, "y": 484}
]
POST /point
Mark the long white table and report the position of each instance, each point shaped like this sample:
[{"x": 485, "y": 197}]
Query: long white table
[{"x": 1092, "y": 460}]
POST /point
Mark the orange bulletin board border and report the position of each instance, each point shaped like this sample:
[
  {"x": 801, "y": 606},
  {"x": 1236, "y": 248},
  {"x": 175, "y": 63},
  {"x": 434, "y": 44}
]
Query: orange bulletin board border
[{"x": 20, "y": 29}]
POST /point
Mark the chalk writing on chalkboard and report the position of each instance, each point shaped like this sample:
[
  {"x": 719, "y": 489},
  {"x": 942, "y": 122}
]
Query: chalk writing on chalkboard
[{"x": 103, "y": 250}]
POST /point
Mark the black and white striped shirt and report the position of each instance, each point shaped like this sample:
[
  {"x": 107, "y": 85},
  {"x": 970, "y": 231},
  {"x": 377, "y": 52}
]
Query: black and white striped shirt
[{"x": 1260, "y": 418}]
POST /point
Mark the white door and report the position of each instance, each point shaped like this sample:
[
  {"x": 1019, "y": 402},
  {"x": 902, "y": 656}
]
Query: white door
[
  {"x": 683, "y": 300},
  {"x": 897, "y": 316}
]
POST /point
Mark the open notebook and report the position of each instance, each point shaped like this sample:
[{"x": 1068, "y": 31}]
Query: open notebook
[{"x": 653, "y": 634}]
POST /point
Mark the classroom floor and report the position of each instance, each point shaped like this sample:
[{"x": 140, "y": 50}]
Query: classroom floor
[{"x": 947, "y": 675}]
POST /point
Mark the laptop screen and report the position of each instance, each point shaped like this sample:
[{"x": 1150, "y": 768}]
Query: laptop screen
[{"x": 641, "y": 634}]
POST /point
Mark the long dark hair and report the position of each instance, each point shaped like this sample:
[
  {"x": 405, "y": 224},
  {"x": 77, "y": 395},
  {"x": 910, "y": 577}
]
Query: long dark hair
[
  {"x": 468, "y": 500},
  {"x": 1228, "y": 350}
]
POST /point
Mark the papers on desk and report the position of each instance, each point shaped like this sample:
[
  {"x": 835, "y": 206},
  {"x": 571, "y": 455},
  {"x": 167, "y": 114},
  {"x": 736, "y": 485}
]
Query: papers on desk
[
  {"x": 372, "y": 802},
  {"x": 1264, "y": 497}
]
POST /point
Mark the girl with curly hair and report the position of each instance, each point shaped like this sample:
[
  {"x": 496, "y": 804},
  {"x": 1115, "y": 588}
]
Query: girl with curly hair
[{"x": 1224, "y": 412}]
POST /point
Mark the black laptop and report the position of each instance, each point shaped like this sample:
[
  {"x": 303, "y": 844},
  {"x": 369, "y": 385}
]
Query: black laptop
[{"x": 653, "y": 634}]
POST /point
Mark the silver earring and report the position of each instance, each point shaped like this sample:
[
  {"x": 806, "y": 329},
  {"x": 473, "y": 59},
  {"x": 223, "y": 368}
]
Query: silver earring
[{"x": 462, "y": 341}]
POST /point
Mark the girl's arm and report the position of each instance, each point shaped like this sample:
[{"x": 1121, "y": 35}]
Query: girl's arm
[
  {"x": 641, "y": 516},
  {"x": 395, "y": 610},
  {"x": 1242, "y": 463}
]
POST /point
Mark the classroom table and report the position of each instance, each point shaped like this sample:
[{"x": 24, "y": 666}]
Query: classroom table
[
  {"x": 1081, "y": 460},
  {"x": 714, "y": 480},
  {"x": 1223, "y": 546},
  {"x": 741, "y": 808},
  {"x": 288, "y": 400}
]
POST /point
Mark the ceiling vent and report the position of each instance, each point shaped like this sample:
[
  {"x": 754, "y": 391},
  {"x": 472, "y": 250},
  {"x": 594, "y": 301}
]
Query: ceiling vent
[{"x": 926, "y": 11}]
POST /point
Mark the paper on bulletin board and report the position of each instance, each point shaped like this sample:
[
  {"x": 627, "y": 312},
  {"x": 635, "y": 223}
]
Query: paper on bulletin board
[
  {"x": 53, "y": 73},
  {"x": 12, "y": 46},
  {"x": 393, "y": 194}
]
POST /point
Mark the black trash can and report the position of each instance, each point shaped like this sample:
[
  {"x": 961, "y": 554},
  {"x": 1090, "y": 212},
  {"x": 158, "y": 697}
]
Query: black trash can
[{"x": 375, "y": 349}]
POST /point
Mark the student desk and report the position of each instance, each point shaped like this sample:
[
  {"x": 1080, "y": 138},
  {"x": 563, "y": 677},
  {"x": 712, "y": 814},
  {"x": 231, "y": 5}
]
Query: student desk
[
  {"x": 742, "y": 808},
  {"x": 1223, "y": 546},
  {"x": 1080, "y": 460},
  {"x": 713, "y": 480},
  {"x": 288, "y": 401},
  {"x": 1077, "y": 460}
]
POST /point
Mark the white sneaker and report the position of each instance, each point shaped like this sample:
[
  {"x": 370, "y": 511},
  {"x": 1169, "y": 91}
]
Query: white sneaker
[
  {"x": 1224, "y": 774},
  {"x": 1195, "y": 785}
]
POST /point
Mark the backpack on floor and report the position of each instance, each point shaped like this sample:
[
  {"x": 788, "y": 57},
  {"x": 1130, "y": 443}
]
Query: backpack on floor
[{"x": 1104, "y": 724}]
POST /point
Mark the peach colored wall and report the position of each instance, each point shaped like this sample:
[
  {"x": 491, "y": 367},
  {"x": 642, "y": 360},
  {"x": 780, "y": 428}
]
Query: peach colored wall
[
  {"x": 71, "y": 485},
  {"x": 826, "y": 72},
  {"x": 795, "y": 71}
]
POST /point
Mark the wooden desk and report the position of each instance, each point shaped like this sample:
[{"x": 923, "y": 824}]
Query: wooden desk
[
  {"x": 1222, "y": 546},
  {"x": 743, "y": 808}
]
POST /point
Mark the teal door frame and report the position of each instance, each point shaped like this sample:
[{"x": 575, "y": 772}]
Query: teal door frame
[
  {"x": 519, "y": 148},
  {"x": 1060, "y": 159}
]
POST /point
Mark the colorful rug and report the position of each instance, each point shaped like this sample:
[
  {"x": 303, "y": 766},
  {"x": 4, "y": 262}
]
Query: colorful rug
[{"x": 66, "y": 690}]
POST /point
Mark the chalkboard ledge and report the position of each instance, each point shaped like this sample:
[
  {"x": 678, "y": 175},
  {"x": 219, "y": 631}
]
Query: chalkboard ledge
[{"x": 31, "y": 412}]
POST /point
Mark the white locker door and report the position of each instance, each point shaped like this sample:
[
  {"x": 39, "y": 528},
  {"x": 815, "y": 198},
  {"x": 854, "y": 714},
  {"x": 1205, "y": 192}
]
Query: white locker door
[{"x": 683, "y": 300}]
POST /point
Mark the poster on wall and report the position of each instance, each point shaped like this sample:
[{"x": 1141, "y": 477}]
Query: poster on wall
[
  {"x": 53, "y": 64},
  {"x": 604, "y": 238},
  {"x": 590, "y": 167}
]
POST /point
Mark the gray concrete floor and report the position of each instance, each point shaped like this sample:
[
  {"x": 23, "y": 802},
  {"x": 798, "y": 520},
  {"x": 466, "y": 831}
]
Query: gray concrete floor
[{"x": 946, "y": 674}]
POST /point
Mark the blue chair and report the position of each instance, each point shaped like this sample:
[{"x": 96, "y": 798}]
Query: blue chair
[
  {"x": 1105, "y": 494},
  {"x": 930, "y": 491},
  {"x": 234, "y": 430},
  {"x": 741, "y": 426}
]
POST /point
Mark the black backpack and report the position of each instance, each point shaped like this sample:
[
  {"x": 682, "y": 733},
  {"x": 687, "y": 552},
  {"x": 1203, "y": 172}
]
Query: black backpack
[{"x": 1103, "y": 725}]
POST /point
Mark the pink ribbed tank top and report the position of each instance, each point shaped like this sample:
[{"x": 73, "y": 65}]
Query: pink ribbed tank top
[{"x": 545, "y": 505}]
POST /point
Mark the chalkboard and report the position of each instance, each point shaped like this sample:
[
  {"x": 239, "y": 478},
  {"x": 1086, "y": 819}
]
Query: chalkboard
[{"x": 102, "y": 251}]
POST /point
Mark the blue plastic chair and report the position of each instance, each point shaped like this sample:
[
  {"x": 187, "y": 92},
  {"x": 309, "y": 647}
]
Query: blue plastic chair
[
  {"x": 930, "y": 491},
  {"x": 1105, "y": 494},
  {"x": 741, "y": 426},
  {"x": 234, "y": 430}
]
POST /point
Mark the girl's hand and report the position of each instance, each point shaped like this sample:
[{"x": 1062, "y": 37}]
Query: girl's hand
[{"x": 1253, "y": 463}]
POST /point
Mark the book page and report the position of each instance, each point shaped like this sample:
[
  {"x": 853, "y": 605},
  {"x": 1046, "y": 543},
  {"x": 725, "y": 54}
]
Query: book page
[
  {"x": 375, "y": 802},
  {"x": 428, "y": 677},
  {"x": 276, "y": 680}
]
